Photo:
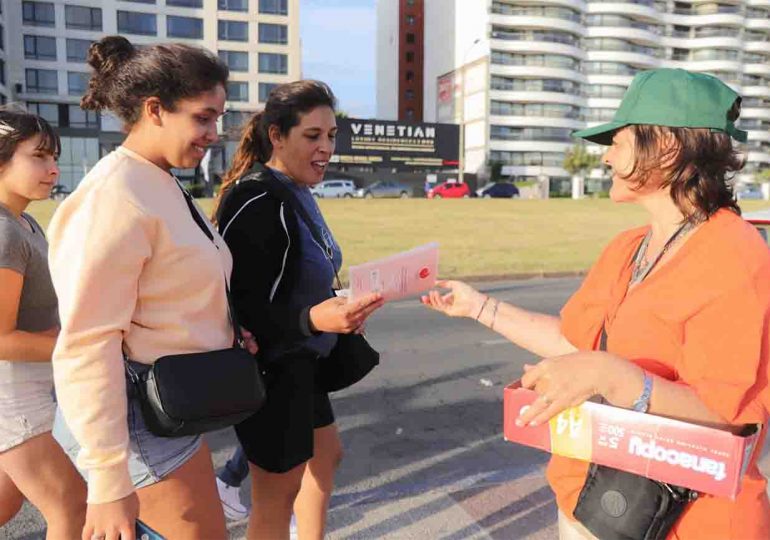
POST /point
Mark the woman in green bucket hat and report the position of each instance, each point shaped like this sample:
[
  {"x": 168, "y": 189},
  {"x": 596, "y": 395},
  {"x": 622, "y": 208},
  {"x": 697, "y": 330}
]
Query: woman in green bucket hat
[{"x": 671, "y": 320}]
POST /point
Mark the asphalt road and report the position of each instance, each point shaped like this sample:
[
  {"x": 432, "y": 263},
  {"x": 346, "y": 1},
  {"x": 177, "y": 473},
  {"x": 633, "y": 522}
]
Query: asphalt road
[{"x": 424, "y": 452}]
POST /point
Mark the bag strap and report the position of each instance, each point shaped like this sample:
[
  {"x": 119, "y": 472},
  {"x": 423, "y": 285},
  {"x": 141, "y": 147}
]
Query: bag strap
[
  {"x": 203, "y": 227},
  {"x": 277, "y": 188}
]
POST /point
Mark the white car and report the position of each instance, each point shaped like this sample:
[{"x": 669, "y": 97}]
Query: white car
[{"x": 331, "y": 189}]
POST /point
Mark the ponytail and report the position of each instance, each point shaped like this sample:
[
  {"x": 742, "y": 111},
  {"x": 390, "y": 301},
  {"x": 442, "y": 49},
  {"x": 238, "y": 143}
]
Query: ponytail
[{"x": 253, "y": 147}]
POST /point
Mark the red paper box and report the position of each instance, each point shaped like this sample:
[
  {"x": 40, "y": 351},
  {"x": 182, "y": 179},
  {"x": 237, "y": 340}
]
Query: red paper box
[{"x": 704, "y": 459}]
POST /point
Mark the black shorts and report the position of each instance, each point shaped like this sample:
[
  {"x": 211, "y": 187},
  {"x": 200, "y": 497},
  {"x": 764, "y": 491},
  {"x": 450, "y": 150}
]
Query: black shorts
[{"x": 280, "y": 435}]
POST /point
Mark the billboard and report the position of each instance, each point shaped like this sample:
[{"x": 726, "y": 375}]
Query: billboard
[{"x": 401, "y": 145}]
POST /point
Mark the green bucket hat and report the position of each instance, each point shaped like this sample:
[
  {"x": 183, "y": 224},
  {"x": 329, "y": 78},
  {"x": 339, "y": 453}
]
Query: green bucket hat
[{"x": 672, "y": 98}]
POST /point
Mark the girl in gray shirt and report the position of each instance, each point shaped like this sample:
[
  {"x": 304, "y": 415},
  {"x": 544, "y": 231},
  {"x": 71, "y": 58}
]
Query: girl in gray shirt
[{"x": 32, "y": 464}]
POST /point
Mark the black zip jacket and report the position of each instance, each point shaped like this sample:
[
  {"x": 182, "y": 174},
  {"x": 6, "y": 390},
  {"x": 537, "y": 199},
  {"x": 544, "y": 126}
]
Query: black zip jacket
[{"x": 263, "y": 236}]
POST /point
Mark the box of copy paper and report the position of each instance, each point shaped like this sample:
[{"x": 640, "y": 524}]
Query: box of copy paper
[{"x": 705, "y": 459}]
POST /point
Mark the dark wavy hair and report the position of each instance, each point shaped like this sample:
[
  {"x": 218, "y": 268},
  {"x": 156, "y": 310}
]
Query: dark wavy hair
[
  {"x": 702, "y": 165},
  {"x": 283, "y": 108},
  {"x": 125, "y": 76},
  {"x": 17, "y": 126}
]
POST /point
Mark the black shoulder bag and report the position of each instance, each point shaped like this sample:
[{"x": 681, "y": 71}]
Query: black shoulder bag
[
  {"x": 352, "y": 357},
  {"x": 189, "y": 394},
  {"x": 619, "y": 505}
]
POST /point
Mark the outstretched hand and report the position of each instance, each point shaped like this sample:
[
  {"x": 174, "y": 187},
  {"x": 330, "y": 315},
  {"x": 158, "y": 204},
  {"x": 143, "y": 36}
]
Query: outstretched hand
[{"x": 462, "y": 300}]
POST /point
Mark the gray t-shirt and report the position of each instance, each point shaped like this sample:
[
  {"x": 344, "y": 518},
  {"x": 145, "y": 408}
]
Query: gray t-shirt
[{"x": 26, "y": 252}]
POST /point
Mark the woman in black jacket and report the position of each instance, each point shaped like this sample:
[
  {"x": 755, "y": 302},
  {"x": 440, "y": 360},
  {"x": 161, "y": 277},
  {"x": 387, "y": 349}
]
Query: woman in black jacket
[{"x": 282, "y": 287}]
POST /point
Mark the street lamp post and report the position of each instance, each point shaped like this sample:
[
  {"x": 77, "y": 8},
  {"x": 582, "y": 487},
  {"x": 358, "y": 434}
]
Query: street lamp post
[{"x": 461, "y": 165}]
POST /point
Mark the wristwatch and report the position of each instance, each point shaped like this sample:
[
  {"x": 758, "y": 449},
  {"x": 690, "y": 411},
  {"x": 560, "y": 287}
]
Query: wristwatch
[{"x": 642, "y": 404}]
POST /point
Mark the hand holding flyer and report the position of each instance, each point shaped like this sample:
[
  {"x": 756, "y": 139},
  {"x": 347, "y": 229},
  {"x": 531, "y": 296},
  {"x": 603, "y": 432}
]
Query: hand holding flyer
[{"x": 398, "y": 276}]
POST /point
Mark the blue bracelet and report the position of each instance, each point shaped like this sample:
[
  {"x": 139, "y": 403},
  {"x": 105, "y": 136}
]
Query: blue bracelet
[{"x": 642, "y": 404}]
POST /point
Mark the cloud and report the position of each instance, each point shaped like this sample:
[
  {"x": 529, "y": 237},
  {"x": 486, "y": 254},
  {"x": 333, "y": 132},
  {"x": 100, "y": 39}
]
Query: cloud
[{"x": 338, "y": 47}]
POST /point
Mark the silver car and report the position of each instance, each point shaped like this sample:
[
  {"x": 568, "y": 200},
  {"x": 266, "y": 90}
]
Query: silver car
[
  {"x": 385, "y": 189},
  {"x": 333, "y": 189}
]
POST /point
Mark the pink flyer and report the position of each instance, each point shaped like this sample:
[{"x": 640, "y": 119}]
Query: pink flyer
[{"x": 405, "y": 274}]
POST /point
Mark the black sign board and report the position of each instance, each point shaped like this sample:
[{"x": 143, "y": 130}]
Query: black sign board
[{"x": 396, "y": 144}]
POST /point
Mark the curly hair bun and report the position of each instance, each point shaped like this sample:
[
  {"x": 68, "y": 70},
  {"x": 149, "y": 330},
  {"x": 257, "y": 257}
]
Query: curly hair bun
[{"x": 108, "y": 53}]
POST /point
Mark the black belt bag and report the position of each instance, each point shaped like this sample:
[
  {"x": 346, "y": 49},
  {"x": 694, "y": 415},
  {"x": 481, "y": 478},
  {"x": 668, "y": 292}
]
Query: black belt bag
[
  {"x": 350, "y": 361},
  {"x": 189, "y": 394},
  {"x": 618, "y": 505}
]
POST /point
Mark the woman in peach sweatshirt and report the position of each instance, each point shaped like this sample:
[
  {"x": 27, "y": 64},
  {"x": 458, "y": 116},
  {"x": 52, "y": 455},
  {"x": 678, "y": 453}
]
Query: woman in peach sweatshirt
[{"x": 136, "y": 276}]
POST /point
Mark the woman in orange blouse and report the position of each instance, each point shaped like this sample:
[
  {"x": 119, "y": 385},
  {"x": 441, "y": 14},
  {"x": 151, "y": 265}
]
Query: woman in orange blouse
[{"x": 684, "y": 300}]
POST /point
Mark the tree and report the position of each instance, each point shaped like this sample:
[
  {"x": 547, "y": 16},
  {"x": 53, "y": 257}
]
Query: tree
[
  {"x": 341, "y": 114},
  {"x": 763, "y": 175},
  {"x": 578, "y": 161},
  {"x": 495, "y": 171}
]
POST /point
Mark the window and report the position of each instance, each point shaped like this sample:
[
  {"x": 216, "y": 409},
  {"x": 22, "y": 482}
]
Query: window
[
  {"x": 235, "y": 60},
  {"x": 185, "y": 3},
  {"x": 2, "y": 72},
  {"x": 83, "y": 18},
  {"x": 42, "y": 81},
  {"x": 38, "y": 13},
  {"x": 40, "y": 47},
  {"x": 410, "y": 37},
  {"x": 77, "y": 49},
  {"x": 237, "y": 91},
  {"x": 234, "y": 5},
  {"x": 184, "y": 27},
  {"x": 77, "y": 82},
  {"x": 234, "y": 30},
  {"x": 410, "y": 114},
  {"x": 410, "y": 20},
  {"x": 132, "y": 22},
  {"x": 48, "y": 111},
  {"x": 273, "y": 33},
  {"x": 2, "y": 37},
  {"x": 273, "y": 63},
  {"x": 78, "y": 118},
  {"x": 410, "y": 75},
  {"x": 409, "y": 94},
  {"x": 264, "y": 91},
  {"x": 274, "y": 7},
  {"x": 410, "y": 56},
  {"x": 141, "y": 1},
  {"x": 234, "y": 119}
]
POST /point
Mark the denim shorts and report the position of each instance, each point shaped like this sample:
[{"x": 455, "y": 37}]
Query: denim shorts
[{"x": 150, "y": 458}]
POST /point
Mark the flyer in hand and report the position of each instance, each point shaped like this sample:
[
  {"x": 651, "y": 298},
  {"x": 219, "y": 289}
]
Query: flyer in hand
[{"x": 398, "y": 276}]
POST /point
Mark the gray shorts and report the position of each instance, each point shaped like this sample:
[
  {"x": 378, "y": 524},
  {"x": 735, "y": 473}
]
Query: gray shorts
[
  {"x": 26, "y": 401},
  {"x": 150, "y": 458}
]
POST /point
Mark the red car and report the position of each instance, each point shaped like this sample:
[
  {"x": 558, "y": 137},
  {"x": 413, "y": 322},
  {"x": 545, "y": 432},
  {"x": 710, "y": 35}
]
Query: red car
[{"x": 450, "y": 190}]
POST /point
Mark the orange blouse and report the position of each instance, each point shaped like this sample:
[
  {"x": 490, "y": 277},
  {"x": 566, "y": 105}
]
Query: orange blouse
[{"x": 701, "y": 319}]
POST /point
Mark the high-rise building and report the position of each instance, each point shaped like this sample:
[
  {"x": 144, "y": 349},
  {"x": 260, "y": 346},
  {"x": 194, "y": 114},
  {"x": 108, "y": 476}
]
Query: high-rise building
[
  {"x": 522, "y": 75},
  {"x": 44, "y": 46}
]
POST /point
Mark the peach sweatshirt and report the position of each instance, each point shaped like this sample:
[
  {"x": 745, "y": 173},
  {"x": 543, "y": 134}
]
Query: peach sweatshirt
[{"x": 133, "y": 273}]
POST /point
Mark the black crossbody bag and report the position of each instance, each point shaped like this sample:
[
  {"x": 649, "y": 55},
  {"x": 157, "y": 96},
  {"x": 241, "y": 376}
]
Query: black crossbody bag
[
  {"x": 190, "y": 394},
  {"x": 352, "y": 358}
]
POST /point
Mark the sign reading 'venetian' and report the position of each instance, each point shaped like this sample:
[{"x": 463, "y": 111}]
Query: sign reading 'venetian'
[{"x": 396, "y": 144}]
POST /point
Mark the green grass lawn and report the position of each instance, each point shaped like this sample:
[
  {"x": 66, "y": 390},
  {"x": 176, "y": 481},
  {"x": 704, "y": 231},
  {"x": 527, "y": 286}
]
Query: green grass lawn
[{"x": 479, "y": 238}]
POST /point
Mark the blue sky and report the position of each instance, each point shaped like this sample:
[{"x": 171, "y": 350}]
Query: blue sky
[{"x": 338, "y": 47}]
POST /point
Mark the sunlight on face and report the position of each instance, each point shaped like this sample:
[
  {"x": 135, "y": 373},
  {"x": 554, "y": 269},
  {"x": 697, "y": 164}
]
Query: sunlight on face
[{"x": 305, "y": 151}]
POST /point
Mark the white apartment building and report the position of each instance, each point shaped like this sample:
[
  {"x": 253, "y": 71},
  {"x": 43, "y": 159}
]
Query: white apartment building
[
  {"x": 522, "y": 75},
  {"x": 43, "y": 46}
]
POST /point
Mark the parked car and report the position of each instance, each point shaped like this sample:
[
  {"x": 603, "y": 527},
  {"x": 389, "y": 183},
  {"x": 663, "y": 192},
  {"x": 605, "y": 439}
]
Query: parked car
[
  {"x": 498, "y": 190},
  {"x": 450, "y": 190},
  {"x": 384, "y": 189},
  {"x": 60, "y": 192},
  {"x": 331, "y": 189},
  {"x": 749, "y": 193}
]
